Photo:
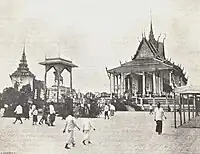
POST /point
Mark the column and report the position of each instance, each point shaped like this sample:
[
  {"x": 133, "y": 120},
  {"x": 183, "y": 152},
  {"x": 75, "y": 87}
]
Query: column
[
  {"x": 113, "y": 83},
  {"x": 188, "y": 106},
  {"x": 58, "y": 88},
  {"x": 120, "y": 87},
  {"x": 110, "y": 84},
  {"x": 154, "y": 83},
  {"x": 117, "y": 87},
  {"x": 143, "y": 84},
  {"x": 128, "y": 84},
  {"x": 159, "y": 87},
  {"x": 45, "y": 86},
  {"x": 71, "y": 88},
  {"x": 123, "y": 83},
  {"x": 170, "y": 78},
  {"x": 161, "y": 82}
]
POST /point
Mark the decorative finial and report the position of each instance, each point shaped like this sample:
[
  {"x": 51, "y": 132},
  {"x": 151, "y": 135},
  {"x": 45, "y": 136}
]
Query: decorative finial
[
  {"x": 45, "y": 55},
  {"x": 24, "y": 47},
  {"x": 164, "y": 37},
  {"x": 159, "y": 37}
]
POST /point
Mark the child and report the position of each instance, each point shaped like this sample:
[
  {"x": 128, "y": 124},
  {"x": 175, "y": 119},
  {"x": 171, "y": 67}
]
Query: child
[
  {"x": 35, "y": 114},
  {"x": 86, "y": 130}
]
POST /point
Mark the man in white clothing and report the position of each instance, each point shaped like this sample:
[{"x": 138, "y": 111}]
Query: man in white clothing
[
  {"x": 87, "y": 126},
  {"x": 18, "y": 112},
  {"x": 159, "y": 116},
  {"x": 70, "y": 126}
]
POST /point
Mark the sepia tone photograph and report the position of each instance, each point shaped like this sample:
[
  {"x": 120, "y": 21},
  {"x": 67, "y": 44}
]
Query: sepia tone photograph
[{"x": 99, "y": 77}]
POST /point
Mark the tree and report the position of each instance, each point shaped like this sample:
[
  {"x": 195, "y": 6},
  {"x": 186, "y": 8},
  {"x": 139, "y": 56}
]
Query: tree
[
  {"x": 10, "y": 95},
  {"x": 26, "y": 93}
]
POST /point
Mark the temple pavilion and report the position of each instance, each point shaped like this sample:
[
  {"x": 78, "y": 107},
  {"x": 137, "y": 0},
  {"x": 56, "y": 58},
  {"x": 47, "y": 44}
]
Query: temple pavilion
[{"x": 149, "y": 73}]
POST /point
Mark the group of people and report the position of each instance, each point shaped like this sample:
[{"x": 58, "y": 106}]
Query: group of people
[
  {"x": 70, "y": 127},
  {"x": 48, "y": 115}
]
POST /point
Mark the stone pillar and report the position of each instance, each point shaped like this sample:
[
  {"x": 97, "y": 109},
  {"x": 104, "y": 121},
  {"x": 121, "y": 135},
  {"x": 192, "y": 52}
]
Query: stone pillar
[
  {"x": 154, "y": 83},
  {"x": 170, "y": 78},
  {"x": 110, "y": 84},
  {"x": 114, "y": 83},
  {"x": 159, "y": 87},
  {"x": 123, "y": 83},
  {"x": 117, "y": 87},
  {"x": 143, "y": 84},
  {"x": 120, "y": 87},
  {"x": 161, "y": 82}
]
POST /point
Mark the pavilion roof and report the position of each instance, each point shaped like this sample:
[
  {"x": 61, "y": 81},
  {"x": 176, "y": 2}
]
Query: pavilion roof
[
  {"x": 141, "y": 65},
  {"x": 53, "y": 61},
  {"x": 191, "y": 89}
]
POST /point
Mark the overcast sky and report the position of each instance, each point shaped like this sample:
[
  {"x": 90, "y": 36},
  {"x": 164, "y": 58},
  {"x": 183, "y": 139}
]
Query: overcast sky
[{"x": 95, "y": 34}]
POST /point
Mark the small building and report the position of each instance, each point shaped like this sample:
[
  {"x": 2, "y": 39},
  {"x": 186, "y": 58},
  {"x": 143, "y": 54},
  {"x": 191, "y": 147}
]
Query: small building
[{"x": 149, "y": 73}]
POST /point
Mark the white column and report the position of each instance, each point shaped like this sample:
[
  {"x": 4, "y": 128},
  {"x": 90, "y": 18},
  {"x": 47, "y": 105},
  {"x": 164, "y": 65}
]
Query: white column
[
  {"x": 170, "y": 78},
  {"x": 143, "y": 84},
  {"x": 110, "y": 78},
  {"x": 114, "y": 83},
  {"x": 161, "y": 82},
  {"x": 159, "y": 87},
  {"x": 154, "y": 83},
  {"x": 121, "y": 85}
]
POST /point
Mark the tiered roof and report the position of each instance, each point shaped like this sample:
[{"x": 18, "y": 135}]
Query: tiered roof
[
  {"x": 23, "y": 69},
  {"x": 150, "y": 56}
]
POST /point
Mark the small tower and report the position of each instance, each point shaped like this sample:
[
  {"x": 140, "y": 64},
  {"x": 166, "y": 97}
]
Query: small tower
[{"x": 22, "y": 76}]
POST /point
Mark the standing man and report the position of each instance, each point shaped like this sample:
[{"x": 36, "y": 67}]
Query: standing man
[
  {"x": 70, "y": 126},
  {"x": 159, "y": 116},
  {"x": 106, "y": 110},
  {"x": 87, "y": 126},
  {"x": 18, "y": 112},
  {"x": 52, "y": 114}
]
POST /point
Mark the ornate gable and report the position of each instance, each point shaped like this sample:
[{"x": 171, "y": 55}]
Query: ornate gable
[{"x": 144, "y": 50}]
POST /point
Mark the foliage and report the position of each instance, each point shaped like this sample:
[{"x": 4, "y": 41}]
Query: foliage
[{"x": 10, "y": 95}]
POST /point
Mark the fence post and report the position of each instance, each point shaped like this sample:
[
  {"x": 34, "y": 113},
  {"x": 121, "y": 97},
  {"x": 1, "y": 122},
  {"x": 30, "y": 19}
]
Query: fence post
[
  {"x": 182, "y": 100},
  {"x": 193, "y": 106},
  {"x": 174, "y": 110},
  {"x": 180, "y": 110}
]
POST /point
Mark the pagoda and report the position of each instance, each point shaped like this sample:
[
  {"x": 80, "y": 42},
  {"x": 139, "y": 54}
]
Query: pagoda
[
  {"x": 22, "y": 76},
  {"x": 149, "y": 74}
]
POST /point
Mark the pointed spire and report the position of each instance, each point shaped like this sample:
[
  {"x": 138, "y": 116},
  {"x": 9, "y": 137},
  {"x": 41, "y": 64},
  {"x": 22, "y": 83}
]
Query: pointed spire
[{"x": 23, "y": 61}]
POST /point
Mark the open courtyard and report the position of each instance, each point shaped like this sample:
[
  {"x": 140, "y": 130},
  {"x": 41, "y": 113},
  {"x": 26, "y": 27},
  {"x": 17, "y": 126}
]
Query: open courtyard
[{"x": 125, "y": 133}]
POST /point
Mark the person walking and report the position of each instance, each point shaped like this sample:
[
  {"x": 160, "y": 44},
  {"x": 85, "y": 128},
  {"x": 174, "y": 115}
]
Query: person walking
[
  {"x": 112, "y": 110},
  {"x": 106, "y": 110},
  {"x": 87, "y": 127},
  {"x": 18, "y": 112},
  {"x": 44, "y": 116},
  {"x": 150, "y": 109},
  {"x": 159, "y": 116},
  {"x": 35, "y": 114},
  {"x": 70, "y": 126},
  {"x": 52, "y": 114}
]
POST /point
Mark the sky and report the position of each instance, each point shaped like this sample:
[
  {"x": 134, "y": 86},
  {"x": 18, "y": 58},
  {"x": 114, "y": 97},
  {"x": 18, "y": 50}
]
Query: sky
[{"x": 95, "y": 34}]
